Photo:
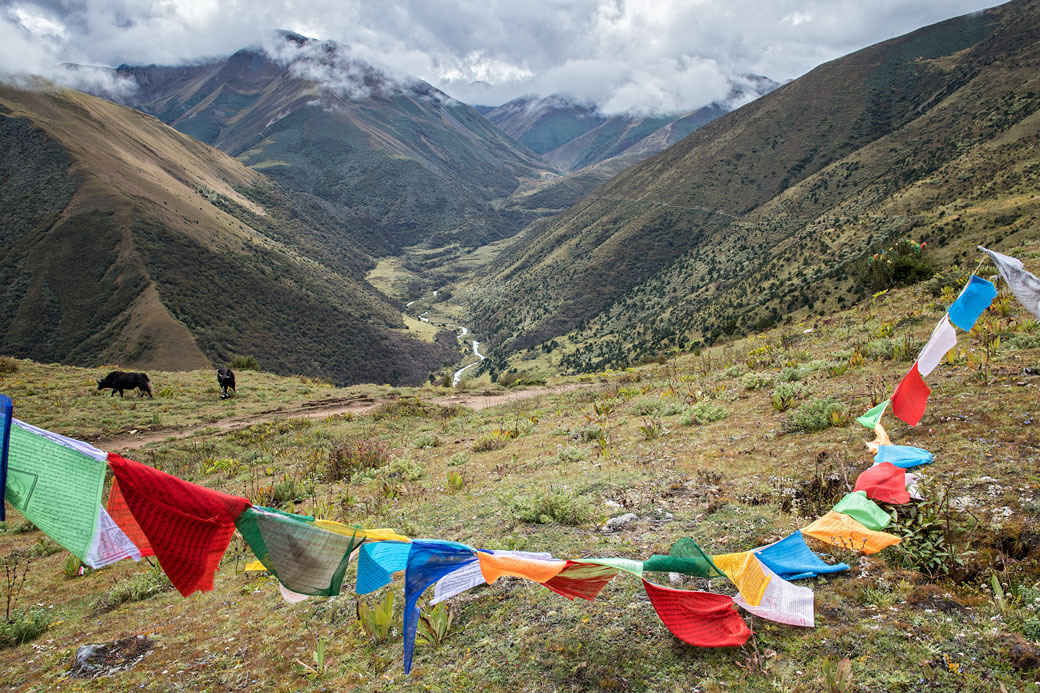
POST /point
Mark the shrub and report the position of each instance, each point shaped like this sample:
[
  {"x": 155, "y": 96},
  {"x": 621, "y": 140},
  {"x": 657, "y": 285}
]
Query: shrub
[
  {"x": 8, "y": 365},
  {"x": 355, "y": 455},
  {"x": 459, "y": 458},
  {"x": 559, "y": 505},
  {"x": 671, "y": 409},
  {"x": 756, "y": 380},
  {"x": 489, "y": 442},
  {"x": 903, "y": 264},
  {"x": 818, "y": 414},
  {"x": 404, "y": 469},
  {"x": 785, "y": 394},
  {"x": 507, "y": 379},
  {"x": 455, "y": 481},
  {"x": 139, "y": 587},
  {"x": 880, "y": 349},
  {"x": 588, "y": 433},
  {"x": 1020, "y": 340},
  {"x": 734, "y": 371},
  {"x": 704, "y": 412},
  {"x": 24, "y": 627},
  {"x": 647, "y": 406},
  {"x": 245, "y": 363},
  {"x": 571, "y": 454},
  {"x": 427, "y": 440}
]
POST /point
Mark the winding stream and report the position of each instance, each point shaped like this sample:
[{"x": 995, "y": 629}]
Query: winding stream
[{"x": 458, "y": 374}]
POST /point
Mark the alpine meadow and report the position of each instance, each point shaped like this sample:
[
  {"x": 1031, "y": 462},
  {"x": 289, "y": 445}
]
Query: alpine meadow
[{"x": 594, "y": 346}]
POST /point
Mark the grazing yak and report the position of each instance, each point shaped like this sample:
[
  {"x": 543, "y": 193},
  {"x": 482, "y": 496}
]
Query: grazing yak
[
  {"x": 118, "y": 381},
  {"x": 226, "y": 379}
]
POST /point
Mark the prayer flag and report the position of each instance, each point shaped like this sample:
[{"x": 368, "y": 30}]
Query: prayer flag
[
  {"x": 187, "y": 526},
  {"x": 912, "y": 488},
  {"x": 628, "y": 565},
  {"x": 581, "y": 579},
  {"x": 974, "y": 299},
  {"x": 841, "y": 530},
  {"x": 122, "y": 516},
  {"x": 56, "y": 482},
  {"x": 428, "y": 562},
  {"x": 470, "y": 575},
  {"x": 884, "y": 482},
  {"x": 698, "y": 618},
  {"x": 306, "y": 559},
  {"x": 1023, "y": 284},
  {"x": 782, "y": 602},
  {"x": 910, "y": 397},
  {"x": 685, "y": 557},
  {"x": 110, "y": 544},
  {"x": 6, "y": 411},
  {"x": 856, "y": 505},
  {"x": 378, "y": 561},
  {"x": 943, "y": 338},
  {"x": 872, "y": 417},
  {"x": 494, "y": 566},
  {"x": 903, "y": 456},
  {"x": 792, "y": 559},
  {"x": 745, "y": 571}
]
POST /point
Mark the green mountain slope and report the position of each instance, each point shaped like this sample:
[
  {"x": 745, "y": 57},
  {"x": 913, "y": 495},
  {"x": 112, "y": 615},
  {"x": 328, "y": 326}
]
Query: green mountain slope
[
  {"x": 771, "y": 209},
  {"x": 542, "y": 125},
  {"x": 392, "y": 152},
  {"x": 127, "y": 242}
]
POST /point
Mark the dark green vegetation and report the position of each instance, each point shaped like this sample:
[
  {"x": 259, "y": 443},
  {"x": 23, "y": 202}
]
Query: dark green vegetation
[
  {"x": 129, "y": 243},
  {"x": 401, "y": 159},
  {"x": 768, "y": 213},
  {"x": 694, "y": 447}
]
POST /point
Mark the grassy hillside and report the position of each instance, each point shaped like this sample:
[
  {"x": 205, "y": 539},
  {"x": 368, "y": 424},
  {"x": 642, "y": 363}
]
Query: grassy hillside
[
  {"x": 769, "y": 213},
  {"x": 401, "y": 158},
  {"x": 693, "y": 447},
  {"x": 129, "y": 243}
]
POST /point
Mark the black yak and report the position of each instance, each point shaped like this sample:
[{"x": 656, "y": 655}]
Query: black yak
[
  {"x": 226, "y": 380},
  {"x": 118, "y": 381}
]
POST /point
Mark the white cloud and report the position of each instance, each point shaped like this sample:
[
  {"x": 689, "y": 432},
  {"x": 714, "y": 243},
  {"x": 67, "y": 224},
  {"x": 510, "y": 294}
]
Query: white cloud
[{"x": 621, "y": 54}]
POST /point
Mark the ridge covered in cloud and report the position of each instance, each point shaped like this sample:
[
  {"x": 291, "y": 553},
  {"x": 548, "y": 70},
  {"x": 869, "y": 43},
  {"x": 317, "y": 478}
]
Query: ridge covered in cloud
[{"x": 643, "y": 56}]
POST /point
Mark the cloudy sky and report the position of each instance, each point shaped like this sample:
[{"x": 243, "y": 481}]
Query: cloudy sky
[{"x": 648, "y": 55}]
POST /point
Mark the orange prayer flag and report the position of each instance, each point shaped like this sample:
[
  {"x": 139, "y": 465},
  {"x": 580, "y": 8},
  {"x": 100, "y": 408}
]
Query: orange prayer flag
[
  {"x": 841, "y": 530},
  {"x": 494, "y": 566}
]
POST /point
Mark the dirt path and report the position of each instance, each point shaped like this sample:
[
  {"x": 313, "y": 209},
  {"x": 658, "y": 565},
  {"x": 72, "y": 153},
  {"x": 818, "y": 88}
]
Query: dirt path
[{"x": 320, "y": 409}]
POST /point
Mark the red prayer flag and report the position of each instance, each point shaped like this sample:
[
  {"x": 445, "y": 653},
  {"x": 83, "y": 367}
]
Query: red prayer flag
[
  {"x": 698, "y": 618},
  {"x": 884, "y": 482},
  {"x": 577, "y": 579},
  {"x": 188, "y": 526},
  {"x": 910, "y": 397},
  {"x": 119, "y": 512}
]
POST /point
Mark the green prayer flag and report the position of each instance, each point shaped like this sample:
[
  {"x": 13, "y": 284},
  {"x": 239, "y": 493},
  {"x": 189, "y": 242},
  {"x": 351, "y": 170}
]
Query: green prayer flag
[
  {"x": 871, "y": 418},
  {"x": 686, "y": 557},
  {"x": 865, "y": 511},
  {"x": 628, "y": 565},
  {"x": 306, "y": 559},
  {"x": 57, "y": 488}
]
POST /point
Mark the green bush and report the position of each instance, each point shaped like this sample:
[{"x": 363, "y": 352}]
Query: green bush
[
  {"x": 785, "y": 395},
  {"x": 704, "y": 412},
  {"x": 355, "y": 455},
  {"x": 8, "y": 365},
  {"x": 245, "y": 363},
  {"x": 880, "y": 349},
  {"x": 647, "y": 406},
  {"x": 545, "y": 506},
  {"x": 756, "y": 380},
  {"x": 139, "y": 587},
  {"x": 23, "y": 628},
  {"x": 818, "y": 414},
  {"x": 735, "y": 371},
  {"x": 572, "y": 454},
  {"x": 903, "y": 264},
  {"x": 489, "y": 442},
  {"x": 427, "y": 440}
]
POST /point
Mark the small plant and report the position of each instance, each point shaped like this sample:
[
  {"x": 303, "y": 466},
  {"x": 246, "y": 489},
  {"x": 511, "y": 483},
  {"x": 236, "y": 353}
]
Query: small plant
[
  {"x": 320, "y": 667},
  {"x": 734, "y": 371},
  {"x": 836, "y": 369},
  {"x": 377, "y": 621},
  {"x": 818, "y": 414},
  {"x": 603, "y": 408},
  {"x": 704, "y": 412},
  {"x": 857, "y": 359},
  {"x": 756, "y": 380},
  {"x": 489, "y": 442},
  {"x": 571, "y": 454},
  {"x": 785, "y": 394},
  {"x": 427, "y": 440},
  {"x": 137, "y": 588},
  {"x": 545, "y": 506},
  {"x": 355, "y": 455},
  {"x": 72, "y": 567},
  {"x": 652, "y": 428},
  {"x": 646, "y": 407},
  {"x": 456, "y": 481},
  {"x": 458, "y": 459},
  {"x": 8, "y": 365},
  {"x": 434, "y": 626},
  {"x": 837, "y": 676}
]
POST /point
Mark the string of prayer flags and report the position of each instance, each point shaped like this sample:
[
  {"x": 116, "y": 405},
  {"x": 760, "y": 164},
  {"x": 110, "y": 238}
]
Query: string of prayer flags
[
  {"x": 628, "y": 565},
  {"x": 702, "y": 619},
  {"x": 685, "y": 557},
  {"x": 1023, "y": 284},
  {"x": 581, "y": 579},
  {"x": 943, "y": 338},
  {"x": 973, "y": 301},
  {"x": 910, "y": 397},
  {"x": 110, "y": 543},
  {"x": 6, "y": 412},
  {"x": 904, "y": 456},
  {"x": 872, "y": 417},
  {"x": 378, "y": 561},
  {"x": 493, "y": 566},
  {"x": 188, "y": 526},
  {"x": 856, "y": 505},
  {"x": 782, "y": 602},
  {"x": 307, "y": 560},
  {"x": 884, "y": 482},
  {"x": 471, "y": 575},
  {"x": 428, "y": 562},
  {"x": 56, "y": 485},
  {"x": 792, "y": 559},
  {"x": 841, "y": 530}
]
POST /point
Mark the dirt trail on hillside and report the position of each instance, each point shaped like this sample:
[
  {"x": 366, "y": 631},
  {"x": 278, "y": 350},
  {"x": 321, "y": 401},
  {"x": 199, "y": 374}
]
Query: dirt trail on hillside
[{"x": 320, "y": 409}]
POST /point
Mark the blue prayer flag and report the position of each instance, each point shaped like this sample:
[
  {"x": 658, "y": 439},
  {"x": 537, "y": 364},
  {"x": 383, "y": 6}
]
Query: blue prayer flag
[
  {"x": 6, "y": 411},
  {"x": 792, "y": 559},
  {"x": 428, "y": 562},
  {"x": 975, "y": 298},
  {"x": 902, "y": 456},
  {"x": 377, "y": 561}
]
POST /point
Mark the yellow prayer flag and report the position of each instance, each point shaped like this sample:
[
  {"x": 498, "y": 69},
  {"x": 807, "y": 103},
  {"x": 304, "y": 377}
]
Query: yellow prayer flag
[{"x": 841, "y": 530}]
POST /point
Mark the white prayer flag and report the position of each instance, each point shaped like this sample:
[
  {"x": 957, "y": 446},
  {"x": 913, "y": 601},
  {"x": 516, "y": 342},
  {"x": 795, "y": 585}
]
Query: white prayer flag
[
  {"x": 1023, "y": 284},
  {"x": 943, "y": 338},
  {"x": 782, "y": 602}
]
